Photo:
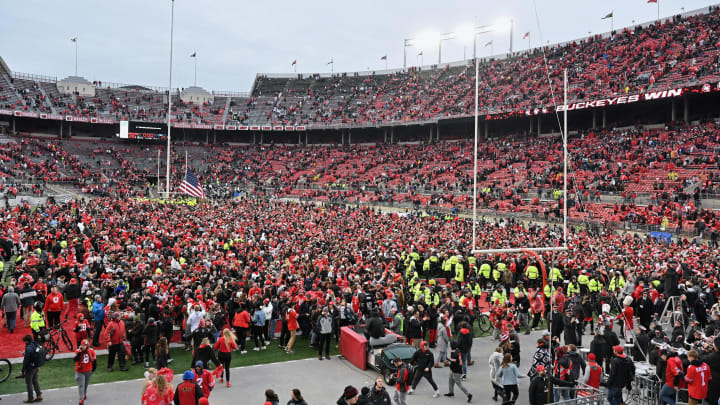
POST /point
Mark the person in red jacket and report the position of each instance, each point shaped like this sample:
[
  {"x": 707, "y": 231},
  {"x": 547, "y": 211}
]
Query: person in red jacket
[
  {"x": 116, "y": 337},
  {"x": 697, "y": 377},
  {"x": 292, "y": 325},
  {"x": 673, "y": 378},
  {"x": 188, "y": 392},
  {"x": 204, "y": 378},
  {"x": 54, "y": 305},
  {"x": 593, "y": 373},
  {"x": 85, "y": 364},
  {"x": 81, "y": 328},
  {"x": 225, "y": 345},
  {"x": 241, "y": 322},
  {"x": 627, "y": 317}
]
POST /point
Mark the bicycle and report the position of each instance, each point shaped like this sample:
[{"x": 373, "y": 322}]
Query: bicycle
[
  {"x": 5, "y": 369},
  {"x": 52, "y": 338},
  {"x": 484, "y": 323}
]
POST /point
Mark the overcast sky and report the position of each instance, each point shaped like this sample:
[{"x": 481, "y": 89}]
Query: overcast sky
[{"x": 128, "y": 41}]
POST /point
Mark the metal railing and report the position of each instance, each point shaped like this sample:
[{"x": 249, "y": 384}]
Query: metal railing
[{"x": 584, "y": 395}]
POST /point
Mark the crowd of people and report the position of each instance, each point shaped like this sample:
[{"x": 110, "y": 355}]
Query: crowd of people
[
  {"x": 665, "y": 54},
  {"x": 246, "y": 268}
]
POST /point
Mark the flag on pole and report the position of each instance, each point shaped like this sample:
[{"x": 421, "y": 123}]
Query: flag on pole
[
  {"x": 74, "y": 39},
  {"x": 420, "y": 53},
  {"x": 294, "y": 62},
  {"x": 610, "y": 15},
  {"x": 191, "y": 185},
  {"x": 527, "y": 34},
  {"x": 652, "y": 1},
  {"x": 331, "y": 62},
  {"x": 384, "y": 57},
  {"x": 489, "y": 43},
  {"x": 194, "y": 55}
]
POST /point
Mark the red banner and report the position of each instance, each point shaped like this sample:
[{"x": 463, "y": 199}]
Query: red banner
[
  {"x": 254, "y": 127},
  {"x": 300, "y": 128},
  {"x": 219, "y": 126},
  {"x": 278, "y": 128},
  {"x": 266, "y": 128},
  {"x": 231, "y": 127}
]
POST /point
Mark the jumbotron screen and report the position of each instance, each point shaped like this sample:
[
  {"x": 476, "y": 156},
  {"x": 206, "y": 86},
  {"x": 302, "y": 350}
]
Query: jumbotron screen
[{"x": 142, "y": 130}]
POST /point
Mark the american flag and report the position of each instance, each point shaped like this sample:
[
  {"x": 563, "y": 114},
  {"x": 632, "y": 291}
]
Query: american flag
[{"x": 191, "y": 185}]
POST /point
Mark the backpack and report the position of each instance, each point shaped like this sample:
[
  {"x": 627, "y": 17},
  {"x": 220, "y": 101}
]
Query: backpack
[
  {"x": 39, "y": 355},
  {"x": 350, "y": 315}
]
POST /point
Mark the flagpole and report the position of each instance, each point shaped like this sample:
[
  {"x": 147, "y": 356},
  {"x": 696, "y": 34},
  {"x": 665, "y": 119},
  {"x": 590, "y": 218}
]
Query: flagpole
[
  {"x": 195, "y": 70},
  {"x": 76, "y": 56},
  {"x": 167, "y": 172},
  {"x": 612, "y": 22},
  {"x": 186, "y": 166},
  {"x": 158, "y": 173},
  {"x": 658, "y": 9}
]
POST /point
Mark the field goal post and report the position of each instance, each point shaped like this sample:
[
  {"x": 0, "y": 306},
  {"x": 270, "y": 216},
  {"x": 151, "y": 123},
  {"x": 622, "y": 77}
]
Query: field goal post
[{"x": 563, "y": 131}]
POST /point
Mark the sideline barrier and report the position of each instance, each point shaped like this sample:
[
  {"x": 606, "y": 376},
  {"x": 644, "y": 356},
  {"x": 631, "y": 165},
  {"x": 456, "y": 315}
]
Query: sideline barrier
[{"x": 353, "y": 346}]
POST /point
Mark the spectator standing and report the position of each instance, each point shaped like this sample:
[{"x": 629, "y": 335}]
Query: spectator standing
[
  {"x": 292, "y": 325},
  {"x": 620, "y": 376},
  {"x": 116, "y": 337},
  {"x": 188, "y": 392},
  {"x": 85, "y": 365},
  {"x": 495, "y": 362},
  {"x": 509, "y": 374},
  {"x": 37, "y": 320},
  {"x": 271, "y": 398},
  {"x": 54, "y": 307},
  {"x": 402, "y": 379},
  {"x": 30, "y": 369},
  {"x": 325, "y": 329},
  {"x": 378, "y": 393},
  {"x": 241, "y": 322},
  {"x": 258, "y": 329},
  {"x": 159, "y": 392},
  {"x": 697, "y": 377},
  {"x": 296, "y": 398},
  {"x": 464, "y": 344},
  {"x": 349, "y": 396},
  {"x": 713, "y": 361},
  {"x": 9, "y": 305},
  {"x": 98, "y": 313}
]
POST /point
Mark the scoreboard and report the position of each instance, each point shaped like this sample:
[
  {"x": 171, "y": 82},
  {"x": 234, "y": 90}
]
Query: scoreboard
[{"x": 142, "y": 130}]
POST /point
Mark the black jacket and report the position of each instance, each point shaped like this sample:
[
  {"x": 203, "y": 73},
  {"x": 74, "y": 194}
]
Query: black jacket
[
  {"x": 72, "y": 291},
  {"x": 379, "y": 397},
  {"x": 538, "y": 389},
  {"x": 619, "y": 373},
  {"x": 464, "y": 340},
  {"x": 423, "y": 360},
  {"x": 412, "y": 329}
]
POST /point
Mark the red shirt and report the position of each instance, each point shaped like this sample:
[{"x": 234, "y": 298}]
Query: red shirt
[
  {"x": 292, "y": 319},
  {"x": 55, "y": 302},
  {"x": 673, "y": 368},
  {"x": 242, "y": 320},
  {"x": 697, "y": 377},
  {"x": 627, "y": 316},
  {"x": 84, "y": 363},
  {"x": 222, "y": 347},
  {"x": 152, "y": 397},
  {"x": 116, "y": 332},
  {"x": 205, "y": 381},
  {"x": 81, "y": 329}
]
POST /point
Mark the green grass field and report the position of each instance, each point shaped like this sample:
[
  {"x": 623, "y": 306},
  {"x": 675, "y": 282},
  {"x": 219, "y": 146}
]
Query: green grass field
[{"x": 59, "y": 373}]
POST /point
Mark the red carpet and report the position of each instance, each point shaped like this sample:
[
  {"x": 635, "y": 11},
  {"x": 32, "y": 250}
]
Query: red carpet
[{"x": 13, "y": 346}]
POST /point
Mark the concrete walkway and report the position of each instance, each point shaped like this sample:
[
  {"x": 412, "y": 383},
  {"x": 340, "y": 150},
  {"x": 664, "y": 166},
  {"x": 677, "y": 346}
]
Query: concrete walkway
[{"x": 321, "y": 382}]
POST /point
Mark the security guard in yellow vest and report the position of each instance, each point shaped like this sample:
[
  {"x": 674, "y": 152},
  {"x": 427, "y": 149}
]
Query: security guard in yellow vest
[
  {"x": 555, "y": 276},
  {"x": 425, "y": 292},
  {"x": 447, "y": 267},
  {"x": 499, "y": 295},
  {"x": 496, "y": 274},
  {"x": 459, "y": 272},
  {"x": 415, "y": 290},
  {"x": 594, "y": 285},
  {"x": 426, "y": 269},
  {"x": 549, "y": 291},
  {"x": 520, "y": 288},
  {"x": 37, "y": 320},
  {"x": 434, "y": 264},
  {"x": 583, "y": 280},
  {"x": 485, "y": 270},
  {"x": 617, "y": 282},
  {"x": 475, "y": 288},
  {"x": 533, "y": 275},
  {"x": 573, "y": 287}
]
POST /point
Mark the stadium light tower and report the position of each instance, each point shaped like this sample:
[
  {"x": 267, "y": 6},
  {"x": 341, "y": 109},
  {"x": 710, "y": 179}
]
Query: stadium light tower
[
  {"x": 443, "y": 37},
  {"x": 169, "y": 111},
  {"x": 406, "y": 43}
]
